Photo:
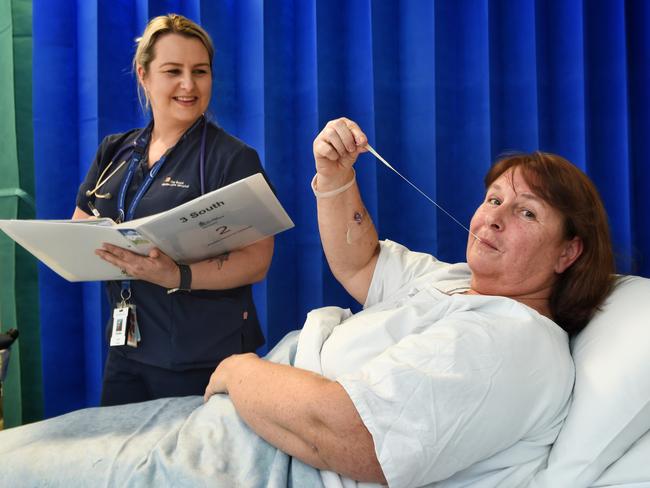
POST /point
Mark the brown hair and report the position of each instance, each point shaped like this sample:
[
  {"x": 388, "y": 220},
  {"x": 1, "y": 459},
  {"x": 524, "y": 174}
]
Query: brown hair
[
  {"x": 158, "y": 27},
  {"x": 581, "y": 289}
]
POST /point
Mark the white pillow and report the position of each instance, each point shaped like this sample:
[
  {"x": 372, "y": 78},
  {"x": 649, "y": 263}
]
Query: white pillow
[
  {"x": 611, "y": 402},
  {"x": 632, "y": 470}
]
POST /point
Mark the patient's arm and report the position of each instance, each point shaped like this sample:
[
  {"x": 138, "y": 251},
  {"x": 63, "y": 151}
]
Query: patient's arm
[
  {"x": 348, "y": 235},
  {"x": 301, "y": 413}
]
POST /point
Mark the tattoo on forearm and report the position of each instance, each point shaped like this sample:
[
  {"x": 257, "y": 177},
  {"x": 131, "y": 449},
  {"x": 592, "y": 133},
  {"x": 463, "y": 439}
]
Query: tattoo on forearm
[
  {"x": 358, "y": 226},
  {"x": 221, "y": 259}
]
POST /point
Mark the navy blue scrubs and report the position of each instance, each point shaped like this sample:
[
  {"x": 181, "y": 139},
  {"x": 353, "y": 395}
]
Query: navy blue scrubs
[{"x": 184, "y": 334}]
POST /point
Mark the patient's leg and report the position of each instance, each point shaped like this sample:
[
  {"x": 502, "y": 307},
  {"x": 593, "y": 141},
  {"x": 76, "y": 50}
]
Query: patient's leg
[
  {"x": 88, "y": 446},
  {"x": 167, "y": 442}
]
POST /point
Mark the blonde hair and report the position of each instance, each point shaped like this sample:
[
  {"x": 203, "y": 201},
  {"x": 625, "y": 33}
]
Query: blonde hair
[{"x": 158, "y": 27}]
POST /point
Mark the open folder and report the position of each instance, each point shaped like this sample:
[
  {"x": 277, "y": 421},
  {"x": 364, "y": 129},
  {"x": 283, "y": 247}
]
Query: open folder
[{"x": 223, "y": 220}]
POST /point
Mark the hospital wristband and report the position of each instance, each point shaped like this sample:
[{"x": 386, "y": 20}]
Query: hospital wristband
[{"x": 332, "y": 193}]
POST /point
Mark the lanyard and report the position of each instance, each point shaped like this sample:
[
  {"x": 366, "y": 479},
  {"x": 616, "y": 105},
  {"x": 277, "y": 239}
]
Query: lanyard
[
  {"x": 133, "y": 165},
  {"x": 140, "y": 145}
]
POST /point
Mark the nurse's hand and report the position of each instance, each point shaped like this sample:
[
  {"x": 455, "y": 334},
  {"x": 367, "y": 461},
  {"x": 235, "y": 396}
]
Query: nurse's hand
[
  {"x": 156, "y": 267},
  {"x": 336, "y": 149}
]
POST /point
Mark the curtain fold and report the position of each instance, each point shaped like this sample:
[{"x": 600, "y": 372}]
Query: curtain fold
[
  {"x": 289, "y": 102},
  {"x": 440, "y": 87},
  {"x": 606, "y": 114},
  {"x": 462, "y": 116},
  {"x": 8, "y": 208},
  {"x": 561, "y": 79},
  {"x": 23, "y": 395},
  {"x": 638, "y": 61},
  {"x": 405, "y": 105},
  {"x": 58, "y": 169}
]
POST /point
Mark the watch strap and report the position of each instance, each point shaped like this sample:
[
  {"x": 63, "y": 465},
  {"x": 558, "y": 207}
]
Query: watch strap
[{"x": 186, "y": 279}]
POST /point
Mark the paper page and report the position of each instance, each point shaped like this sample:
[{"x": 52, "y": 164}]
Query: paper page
[
  {"x": 105, "y": 222},
  {"x": 68, "y": 248},
  {"x": 226, "y": 219}
]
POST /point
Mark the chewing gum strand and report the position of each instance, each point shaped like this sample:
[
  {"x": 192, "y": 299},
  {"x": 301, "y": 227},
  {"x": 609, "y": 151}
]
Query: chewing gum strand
[{"x": 376, "y": 154}]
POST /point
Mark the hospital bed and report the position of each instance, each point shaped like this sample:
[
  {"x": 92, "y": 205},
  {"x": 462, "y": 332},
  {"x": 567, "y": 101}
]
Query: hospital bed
[{"x": 604, "y": 442}]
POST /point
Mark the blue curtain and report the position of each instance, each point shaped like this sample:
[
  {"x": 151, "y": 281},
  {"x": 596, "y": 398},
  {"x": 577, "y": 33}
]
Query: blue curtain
[{"x": 440, "y": 87}]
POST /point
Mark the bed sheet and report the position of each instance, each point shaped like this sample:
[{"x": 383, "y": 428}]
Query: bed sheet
[{"x": 178, "y": 442}]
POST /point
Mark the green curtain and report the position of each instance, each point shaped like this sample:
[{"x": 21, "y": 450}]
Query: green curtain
[{"x": 23, "y": 389}]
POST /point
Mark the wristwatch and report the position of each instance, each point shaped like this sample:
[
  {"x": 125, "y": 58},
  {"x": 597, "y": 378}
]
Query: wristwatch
[{"x": 186, "y": 279}]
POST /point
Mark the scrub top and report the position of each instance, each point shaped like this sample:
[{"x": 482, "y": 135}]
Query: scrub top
[{"x": 183, "y": 330}]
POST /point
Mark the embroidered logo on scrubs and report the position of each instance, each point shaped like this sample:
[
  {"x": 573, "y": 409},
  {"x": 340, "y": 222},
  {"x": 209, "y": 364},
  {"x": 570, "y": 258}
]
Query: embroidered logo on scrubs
[{"x": 169, "y": 181}]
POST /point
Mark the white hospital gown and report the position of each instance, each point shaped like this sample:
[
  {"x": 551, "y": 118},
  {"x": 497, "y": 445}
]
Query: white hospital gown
[{"x": 456, "y": 390}]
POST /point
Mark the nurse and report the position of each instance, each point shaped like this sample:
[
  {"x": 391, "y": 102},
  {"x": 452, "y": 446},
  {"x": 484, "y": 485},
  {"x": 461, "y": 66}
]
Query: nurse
[{"x": 188, "y": 317}]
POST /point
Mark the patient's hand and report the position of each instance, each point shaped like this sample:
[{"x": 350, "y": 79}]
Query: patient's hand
[
  {"x": 219, "y": 379},
  {"x": 336, "y": 149}
]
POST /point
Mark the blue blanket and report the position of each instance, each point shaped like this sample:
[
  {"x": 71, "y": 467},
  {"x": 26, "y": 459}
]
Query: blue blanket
[{"x": 177, "y": 442}]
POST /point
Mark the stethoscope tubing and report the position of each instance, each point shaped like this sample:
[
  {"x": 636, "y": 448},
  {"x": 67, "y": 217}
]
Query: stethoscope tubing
[{"x": 132, "y": 146}]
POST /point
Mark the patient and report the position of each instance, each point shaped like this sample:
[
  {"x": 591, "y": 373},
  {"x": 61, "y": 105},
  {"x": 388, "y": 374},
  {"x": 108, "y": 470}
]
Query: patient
[{"x": 453, "y": 373}]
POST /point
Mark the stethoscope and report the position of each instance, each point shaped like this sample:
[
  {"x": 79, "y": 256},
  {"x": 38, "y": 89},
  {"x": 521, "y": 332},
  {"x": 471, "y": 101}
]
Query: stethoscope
[{"x": 138, "y": 147}]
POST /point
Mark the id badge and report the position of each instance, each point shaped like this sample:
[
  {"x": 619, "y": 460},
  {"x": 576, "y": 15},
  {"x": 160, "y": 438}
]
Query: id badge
[
  {"x": 118, "y": 335},
  {"x": 132, "y": 330}
]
